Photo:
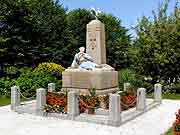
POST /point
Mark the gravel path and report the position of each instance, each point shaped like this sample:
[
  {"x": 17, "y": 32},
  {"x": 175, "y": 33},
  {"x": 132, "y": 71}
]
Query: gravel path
[{"x": 153, "y": 122}]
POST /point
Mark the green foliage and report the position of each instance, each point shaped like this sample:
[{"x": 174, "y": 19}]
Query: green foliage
[
  {"x": 129, "y": 76},
  {"x": 172, "y": 96},
  {"x": 30, "y": 81},
  {"x": 93, "y": 92},
  {"x": 52, "y": 68},
  {"x": 172, "y": 87},
  {"x": 4, "y": 101},
  {"x": 32, "y": 31},
  {"x": 35, "y": 31},
  {"x": 169, "y": 132},
  {"x": 77, "y": 20},
  {"x": 5, "y": 86},
  {"x": 11, "y": 71},
  {"x": 157, "y": 45}
]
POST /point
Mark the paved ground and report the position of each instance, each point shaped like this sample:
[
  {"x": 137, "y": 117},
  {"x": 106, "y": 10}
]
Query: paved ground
[{"x": 153, "y": 122}]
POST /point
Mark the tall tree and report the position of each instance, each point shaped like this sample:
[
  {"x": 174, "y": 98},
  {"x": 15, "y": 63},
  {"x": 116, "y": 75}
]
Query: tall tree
[
  {"x": 32, "y": 31},
  {"x": 158, "y": 44}
]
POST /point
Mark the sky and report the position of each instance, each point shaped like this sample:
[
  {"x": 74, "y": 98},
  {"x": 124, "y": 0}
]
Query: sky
[{"x": 128, "y": 11}]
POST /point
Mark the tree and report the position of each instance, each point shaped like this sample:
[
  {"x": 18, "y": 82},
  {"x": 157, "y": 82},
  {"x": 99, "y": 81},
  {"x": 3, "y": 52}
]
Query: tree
[
  {"x": 32, "y": 31},
  {"x": 158, "y": 45}
]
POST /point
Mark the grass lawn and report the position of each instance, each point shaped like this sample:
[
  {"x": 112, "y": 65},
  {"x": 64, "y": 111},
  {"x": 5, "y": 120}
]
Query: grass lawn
[
  {"x": 169, "y": 132},
  {"x": 4, "y": 101},
  {"x": 172, "y": 96}
]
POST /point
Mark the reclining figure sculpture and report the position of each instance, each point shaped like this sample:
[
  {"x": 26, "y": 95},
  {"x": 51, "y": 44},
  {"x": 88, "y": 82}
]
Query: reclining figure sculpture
[{"x": 84, "y": 61}]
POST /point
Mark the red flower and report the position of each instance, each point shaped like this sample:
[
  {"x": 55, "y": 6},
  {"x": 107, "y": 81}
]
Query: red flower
[{"x": 177, "y": 121}]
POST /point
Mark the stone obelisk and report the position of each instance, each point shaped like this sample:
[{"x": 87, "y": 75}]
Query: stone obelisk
[{"x": 95, "y": 41}]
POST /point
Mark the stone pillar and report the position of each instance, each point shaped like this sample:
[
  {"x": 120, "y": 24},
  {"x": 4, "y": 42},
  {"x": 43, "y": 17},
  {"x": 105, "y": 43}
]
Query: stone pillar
[
  {"x": 73, "y": 105},
  {"x": 126, "y": 86},
  {"x": 95, "y": 41},
  {"x": 141, "y": 99},
  {"x": 40, "y": 101},
  {"x": 15, "y": 97},
  {"x": 157, "y": 93},
  {"x": 51, "y": 87},
  {"x": 114, "y": 110}
]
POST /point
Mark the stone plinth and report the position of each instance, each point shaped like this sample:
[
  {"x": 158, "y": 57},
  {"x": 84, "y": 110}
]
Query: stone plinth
[
  {"x": 103, "y": 81},
  {"x": 95, "y": 41}
]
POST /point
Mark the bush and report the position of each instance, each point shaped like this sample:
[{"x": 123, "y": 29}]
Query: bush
[
  {"x": 127, "y": 75},
  {"x": 29, "y": 82},
  {"x": 5, "y": 86},
  {"x": 52, "y": 68},
  {"x": 11, "y": 72}
]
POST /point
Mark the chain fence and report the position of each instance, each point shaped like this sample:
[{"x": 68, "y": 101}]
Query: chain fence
[
  {"x": 129, "y": 105},
  {"x": 26, "y": 98},
  {"x": 150, "y": 93}
]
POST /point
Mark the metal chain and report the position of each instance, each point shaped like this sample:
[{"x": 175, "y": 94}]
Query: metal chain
[
  {"x": 129, "y": 104},
  {"x": 30, "y": 98},
  {"x": 87, "y": 106},
  {"x": 98, "y": 107},
  {"x": 150, "y": 93}
]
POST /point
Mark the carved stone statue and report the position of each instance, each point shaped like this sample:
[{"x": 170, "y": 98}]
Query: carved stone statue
[{"x": 84, "y": 61}]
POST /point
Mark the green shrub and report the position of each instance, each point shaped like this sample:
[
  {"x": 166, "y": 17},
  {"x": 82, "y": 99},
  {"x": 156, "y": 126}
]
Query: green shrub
[
  {"x": 11, "y": 72},
  {"x": 52, "y": 68},
  {"x": 25, "y": 70},
  {"x": 5, "y": 86},
  {"x": 127, "y": 75},
  {"x": 30, "y": 81}
]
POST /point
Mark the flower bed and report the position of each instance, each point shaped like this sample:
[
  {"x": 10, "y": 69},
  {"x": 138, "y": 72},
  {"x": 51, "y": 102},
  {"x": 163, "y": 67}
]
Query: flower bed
[
  {"x": 128, "y": 98},
  {"x": 128, "y": 101},
  {"x": 88, "y": 104},
  {"x": 56, "y": 102},
  {"x": 176, "y": 124}
]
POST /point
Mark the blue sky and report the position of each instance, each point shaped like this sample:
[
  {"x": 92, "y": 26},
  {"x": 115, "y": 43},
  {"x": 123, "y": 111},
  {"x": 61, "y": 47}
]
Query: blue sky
[{"x": 126, "y": 10}]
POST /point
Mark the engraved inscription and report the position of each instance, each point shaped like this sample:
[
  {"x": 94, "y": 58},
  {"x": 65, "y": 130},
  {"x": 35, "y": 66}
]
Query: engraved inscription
[{"x": 92, "y": 41}]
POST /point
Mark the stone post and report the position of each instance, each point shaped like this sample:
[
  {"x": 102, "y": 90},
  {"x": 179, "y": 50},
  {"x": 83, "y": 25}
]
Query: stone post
[
  {"x": 40, "y": 101},
  {"x": 114, "y": 110},
  {"x": 126, "y": 86},
  {"x": 51, "y": 87},
  {"x": 73, "y": 105},
  {"x": 141, "y": 99},
  {"x": 15, "y": 97},
  {"x": 157, "y": 93}
]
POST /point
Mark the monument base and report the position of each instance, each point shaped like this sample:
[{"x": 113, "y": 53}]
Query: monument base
[
  {"x": 87, "y": 91},
  {"x": 83, "y": 81}
]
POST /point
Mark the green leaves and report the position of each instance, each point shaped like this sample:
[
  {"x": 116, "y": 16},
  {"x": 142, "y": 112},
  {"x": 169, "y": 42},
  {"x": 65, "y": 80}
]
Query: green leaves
[
  {"x": 30, "y": 81},
  {"x": 158, "y": 45},
  {"x": 36, "y": 29}
]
